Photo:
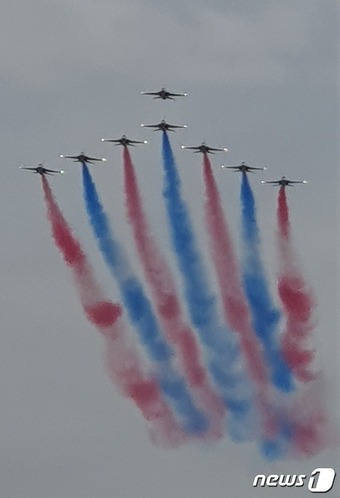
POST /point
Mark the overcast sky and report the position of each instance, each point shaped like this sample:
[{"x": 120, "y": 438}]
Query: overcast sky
[{"x": 261, "y": 77}]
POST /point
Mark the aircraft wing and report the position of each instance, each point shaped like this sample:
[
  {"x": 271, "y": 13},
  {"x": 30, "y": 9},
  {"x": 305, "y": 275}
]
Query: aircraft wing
[
  {"x": 191, "y": 147},
  {"x": 274, "y": 182},
  {"x": 239, "y": 168},
  {"x": 95, "y": 159},
  {"x": 111, "y": 140},
  {"x": 54, "y": 171},
  {"x": 297, "y": 181},
  {"x": 234, "y": 168},
  {"x": 177, "y": 94},
  {"x": 252, "y": 169},
  {"x": 150, "y": 93},
  {"x": 173, "y": 127},
  {"x": 31, "y": 169},
  {"x": 69, "y": 157},
  {"x": 214, "y": 149}
]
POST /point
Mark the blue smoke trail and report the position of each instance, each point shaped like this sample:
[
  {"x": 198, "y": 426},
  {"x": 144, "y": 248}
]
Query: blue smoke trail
[
  {"x": 140, "y": 311},
  {"x": 265, "y": 315},
  {"x": 223, "y": 351}
]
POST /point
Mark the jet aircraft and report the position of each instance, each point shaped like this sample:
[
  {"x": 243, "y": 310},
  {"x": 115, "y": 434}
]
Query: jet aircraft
[
  {"x": 164, "y": 94},
  {"x": 284, "y": 182},
  {"x": 82, "y": 158},
  {"x": 41, "y": 170},
  {"x": 244, "y": 168},
  {"x": 163, "y": 126},
  {"x": 204, "y": 148},
  {"x": 124, "y": 141}
]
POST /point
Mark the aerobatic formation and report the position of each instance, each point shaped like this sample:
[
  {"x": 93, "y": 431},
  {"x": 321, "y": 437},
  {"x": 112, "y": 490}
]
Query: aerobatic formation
[{"x": 225, "y": 353}]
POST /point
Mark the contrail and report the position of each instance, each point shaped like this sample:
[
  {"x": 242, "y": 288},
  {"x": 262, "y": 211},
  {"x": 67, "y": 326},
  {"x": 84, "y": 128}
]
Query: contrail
[
  {"x": 296, "y": 297},
  {"x": 221, "y": 347},
  {"x": 141, "y": 314},
  {"x": 123, "y": 361},
  {"x": 265, "y": 315},
  {"x": 163, "y": 290}
]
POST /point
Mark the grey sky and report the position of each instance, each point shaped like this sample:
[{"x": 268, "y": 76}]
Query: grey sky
[{"x": 261, "y": 77}]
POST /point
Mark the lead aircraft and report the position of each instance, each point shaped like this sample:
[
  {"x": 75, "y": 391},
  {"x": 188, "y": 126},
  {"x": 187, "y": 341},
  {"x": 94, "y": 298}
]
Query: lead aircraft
[{"x": 164, "y": 94}]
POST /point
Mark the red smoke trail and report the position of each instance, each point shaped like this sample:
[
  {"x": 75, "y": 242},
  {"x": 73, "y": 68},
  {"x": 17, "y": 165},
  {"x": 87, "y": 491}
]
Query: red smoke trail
[
  {"x": 168, "y": 306},
  {"x": 234, "y": 302},
  {"x": 122, "y": 359},
  {"x": 297, "y": 299}
]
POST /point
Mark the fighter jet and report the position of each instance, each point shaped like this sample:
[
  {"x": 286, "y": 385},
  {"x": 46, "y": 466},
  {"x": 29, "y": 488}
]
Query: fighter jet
[
  {"x": 244, "y": 168},
  {"x": 124, "y": 141},
  {"x": 204, "y": 148},
  {"x": 82, "y": 158},
  {"x": 164, "y": 94},
  {"x": 284, "y": 182},
  {"x": 163, "y": 126},
  {"x": 42, "y": 170}
]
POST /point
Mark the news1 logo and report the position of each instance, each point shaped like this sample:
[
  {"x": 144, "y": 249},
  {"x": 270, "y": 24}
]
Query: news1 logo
[{"x": 321, "y": 480}]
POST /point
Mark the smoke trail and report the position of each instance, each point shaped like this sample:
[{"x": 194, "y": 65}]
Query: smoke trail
[
  {"x": 123, "y": 362},
  {"x": 265, "y": 315},
  {"x": 234, "y": 303},
  {"x": 224, "y": 360},
  {"x": 297, "y": 300},
  {"x": 164, "y": 296},
  {"x": 140, "y": 313},
  {"x": 305, "y": 414}
]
